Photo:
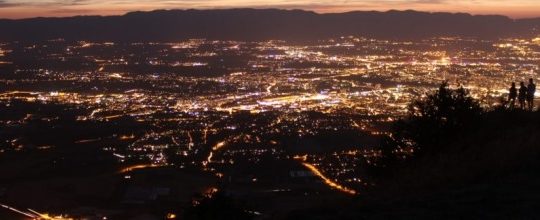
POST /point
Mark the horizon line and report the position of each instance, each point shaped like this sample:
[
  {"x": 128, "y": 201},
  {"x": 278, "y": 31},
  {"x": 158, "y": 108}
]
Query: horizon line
[{"x": 269, "y": 8}]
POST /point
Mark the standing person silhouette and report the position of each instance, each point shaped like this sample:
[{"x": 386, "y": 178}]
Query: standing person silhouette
[
  {"x": 512, "y": 96},
  {"x": 522, "y": 96},
  {"x": 531, "y": 89}
]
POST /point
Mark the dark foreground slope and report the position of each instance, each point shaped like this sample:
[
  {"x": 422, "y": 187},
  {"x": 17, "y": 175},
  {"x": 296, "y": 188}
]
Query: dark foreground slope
[
  {"x": 490, "y": 172},
  {"x": 263, "y": 24}
]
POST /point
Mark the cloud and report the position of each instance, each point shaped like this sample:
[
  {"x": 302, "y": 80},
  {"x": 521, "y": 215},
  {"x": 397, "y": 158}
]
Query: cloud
[
  {"x": 431, "y": 1},
  {"x": 6, "y": 4},
  {"x": 238, "y": 3},
  {"x": 22, "y": 3}
]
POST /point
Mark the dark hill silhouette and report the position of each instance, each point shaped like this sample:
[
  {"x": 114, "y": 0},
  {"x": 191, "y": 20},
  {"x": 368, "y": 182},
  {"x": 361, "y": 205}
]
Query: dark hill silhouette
[
  {"x": 483, "y": 168},
  {"x": 263, "y": 24},
  {"x": 489, "y": 173}
]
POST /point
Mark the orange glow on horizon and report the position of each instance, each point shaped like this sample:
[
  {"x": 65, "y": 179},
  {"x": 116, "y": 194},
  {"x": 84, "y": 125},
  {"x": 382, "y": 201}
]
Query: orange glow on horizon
[{"x": 32, "y": 8}]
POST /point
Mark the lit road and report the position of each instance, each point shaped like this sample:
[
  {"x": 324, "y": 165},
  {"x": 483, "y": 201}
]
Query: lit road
[
  {"x": 33, "y": 214},
  {"x": 328, "y": 181}
]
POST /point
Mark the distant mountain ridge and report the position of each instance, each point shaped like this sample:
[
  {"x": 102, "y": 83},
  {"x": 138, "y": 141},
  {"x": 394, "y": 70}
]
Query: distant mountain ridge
[{"x": 265, "y": 24}]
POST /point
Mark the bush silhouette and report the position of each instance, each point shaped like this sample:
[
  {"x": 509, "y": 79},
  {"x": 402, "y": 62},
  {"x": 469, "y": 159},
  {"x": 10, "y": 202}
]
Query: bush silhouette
[{"x": 432, "y": 121}]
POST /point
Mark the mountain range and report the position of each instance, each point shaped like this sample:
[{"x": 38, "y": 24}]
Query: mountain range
[{"x": 265, "y": 24}]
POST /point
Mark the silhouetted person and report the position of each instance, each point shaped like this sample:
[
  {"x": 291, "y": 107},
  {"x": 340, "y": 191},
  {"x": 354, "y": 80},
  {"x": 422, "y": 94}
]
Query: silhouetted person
[
  {"x": 531, "y": 89},
  {"x": 522, "y": 96},
  {"x": 512, "y": 96}
]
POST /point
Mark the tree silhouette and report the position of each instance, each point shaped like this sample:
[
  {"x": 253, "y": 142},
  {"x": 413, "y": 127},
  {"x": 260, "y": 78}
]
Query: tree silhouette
[{"x": 434, "y": 120}]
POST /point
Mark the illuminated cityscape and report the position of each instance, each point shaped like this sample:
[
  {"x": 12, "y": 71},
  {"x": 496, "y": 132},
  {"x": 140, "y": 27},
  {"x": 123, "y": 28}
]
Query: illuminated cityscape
[
  {"x": 219, "y": 110},
  {"x": 258, "y": 119}
]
